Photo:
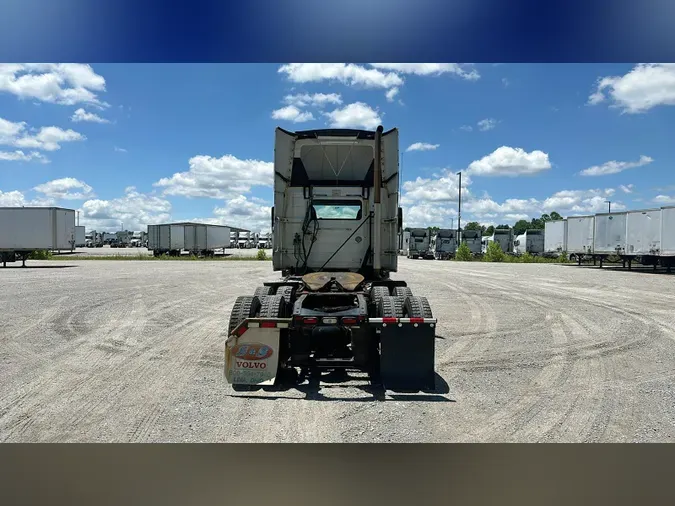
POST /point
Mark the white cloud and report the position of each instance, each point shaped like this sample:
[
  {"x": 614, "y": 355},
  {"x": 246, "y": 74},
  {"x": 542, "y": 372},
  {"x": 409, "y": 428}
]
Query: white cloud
[
  {"x": 614, "y": 167},
  {"x": 62, "y": 189},
  {"x": 82, "y": 115},
  {"x": 581, "y": 201},
  {"x": 514, "y": 217},
  {"x": 20, "y": 156},
  {"x": 646, "y": 86},
  {"x": 441, "y": 188},
  {"x": 486, "y": 207},
  {"x": 664, "y": 200},
  {"x": 135, "y": 210},
  {"x": 505, "y": 82},
  {"x": 391, "y": 94},
  {"x": 356, "y": 115},
  {"x": 57, "y": 83},
  {"x": 427, "y": 69},
  {"x": 253, "y": 214},
  {"x": 46, "y": 138},
  {"x": 218, "y": 177},
  {"x": 466, "y": 128},
  {"x": 120, "y": 150},
  {"x": 345, "y": 73},
  {"x": 425, "y": 214},
  {"x": 422, "y": 146},
  {"x": 627, "y": 188},
  {"x": 507, "y": 161},
  {"x": 12, "y": 199},
  {"x": 292, "y": 113},
  {"x": 487, "y": 124},
  {"x": 314, "y": 100}
]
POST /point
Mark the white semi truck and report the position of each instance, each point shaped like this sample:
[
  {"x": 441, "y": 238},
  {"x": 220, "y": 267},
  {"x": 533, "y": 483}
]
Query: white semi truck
[{"x": 335, "y": 225}]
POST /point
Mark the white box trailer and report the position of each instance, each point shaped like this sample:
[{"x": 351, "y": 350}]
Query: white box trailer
[
  {"x": 580, "y": 232},
  {"x": 531, "y": 241},
  {"x": 166, "y": 239},
  {"x": 79, "y": 236},
  {"x": 610, "y": 234},
  {"x": 668, "y": 231},
  {"x": 643, "y": 233},
  {"x": 201, "y": 238},
  {"x": 555, "y": 236},
  {"x": 27, "y": 229}
]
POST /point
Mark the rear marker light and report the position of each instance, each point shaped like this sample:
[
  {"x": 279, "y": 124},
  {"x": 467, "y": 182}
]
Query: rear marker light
[
  {"x": 268, "y": 325},
  {"x": 309, "y": 321},
  {"x": 349, "y": 321}
]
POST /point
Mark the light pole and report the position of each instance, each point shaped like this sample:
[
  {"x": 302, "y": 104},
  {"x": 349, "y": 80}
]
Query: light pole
[
  {"x": 459, "y": 205},
  {"x": 609, "y": 206}
]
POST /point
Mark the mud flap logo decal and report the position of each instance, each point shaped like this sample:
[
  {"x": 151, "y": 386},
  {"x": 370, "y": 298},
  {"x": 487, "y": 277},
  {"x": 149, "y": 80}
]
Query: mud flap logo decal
[{"x": 252, "y": 351}]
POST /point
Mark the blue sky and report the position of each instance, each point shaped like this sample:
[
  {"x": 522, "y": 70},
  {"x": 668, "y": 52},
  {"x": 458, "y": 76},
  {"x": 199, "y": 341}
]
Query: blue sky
[{"x": 139, "y": 144}]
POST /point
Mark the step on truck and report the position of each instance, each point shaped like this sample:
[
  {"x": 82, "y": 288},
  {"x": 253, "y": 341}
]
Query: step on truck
[{"x": 335, "y": 225}]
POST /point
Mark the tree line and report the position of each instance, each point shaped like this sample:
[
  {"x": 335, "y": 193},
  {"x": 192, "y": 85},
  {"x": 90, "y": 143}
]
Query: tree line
[{"x": 518, "y": 228}]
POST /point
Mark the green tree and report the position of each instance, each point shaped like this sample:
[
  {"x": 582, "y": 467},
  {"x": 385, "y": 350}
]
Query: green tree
[
  {"x": 463, "y": 253},
  {"x": 494, "y": 252},
  {"x": 521, "y": 226},
  {"x": 472, "y": 225},
  {"x": 555, "y": 216},
  {"x": 506, "y": 227},
  {"x": 489, "y": 230},
  {"x": 434, "y": 230}
]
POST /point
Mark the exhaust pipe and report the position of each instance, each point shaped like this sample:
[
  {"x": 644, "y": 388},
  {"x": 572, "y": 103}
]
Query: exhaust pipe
[{"x": 377, "y": 216}]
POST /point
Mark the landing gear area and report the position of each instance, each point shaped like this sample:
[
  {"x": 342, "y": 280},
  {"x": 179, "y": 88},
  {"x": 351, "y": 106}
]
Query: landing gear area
[{"x": 626, "y": 261}]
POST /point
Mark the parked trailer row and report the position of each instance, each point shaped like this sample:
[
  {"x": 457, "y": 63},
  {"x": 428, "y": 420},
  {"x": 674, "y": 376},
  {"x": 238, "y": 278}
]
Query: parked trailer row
[
  {"x": 645, "y": 235},
  {"x": 27, "y": 229},
  {"x": 196, "y": 238}
]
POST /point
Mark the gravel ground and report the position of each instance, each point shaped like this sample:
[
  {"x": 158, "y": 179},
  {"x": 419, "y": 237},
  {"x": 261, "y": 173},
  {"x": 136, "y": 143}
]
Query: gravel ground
[
  {"x": 133, "y": 351},
  {"x": 108, "y": 251}
]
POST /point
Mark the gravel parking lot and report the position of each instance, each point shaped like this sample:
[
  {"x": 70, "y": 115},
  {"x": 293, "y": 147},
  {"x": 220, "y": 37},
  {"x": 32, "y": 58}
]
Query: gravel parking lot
[{"x": 133, "y": 351}]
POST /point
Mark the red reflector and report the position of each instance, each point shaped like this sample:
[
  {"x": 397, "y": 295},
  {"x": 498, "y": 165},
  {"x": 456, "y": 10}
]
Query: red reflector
[
  {"x": 416, "y": 320},
  {"x": 268, "y": 325},
  {"x": 241, "y": 330},
  {"x": 349, "y": 321},
  {"x": 309, "y": 321},
  {"x": 389, "y": 320}
]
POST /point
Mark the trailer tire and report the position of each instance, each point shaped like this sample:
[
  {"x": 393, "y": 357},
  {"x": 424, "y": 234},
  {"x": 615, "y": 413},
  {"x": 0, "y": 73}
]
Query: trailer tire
[
  {"x": 262, "y": 291},
  {"x": 377, "y": 293},
  {"x": 273, "y": 306},
  {"x": 245, "y": 306},
  {"x": 390, "y": 307},
  {"x": 288, "y": 293},
  {"x": 403, "y": 291},
  {"x": 417, "y": 307}
]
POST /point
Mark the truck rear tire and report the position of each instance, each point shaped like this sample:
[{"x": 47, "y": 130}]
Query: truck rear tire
[
  {"x": 245, "y": 306},
  {"x": 403, "y": 291},
  {"x": 377, "y": 293},
  {"x": 261, "y": 291},
  {"x": 417, "y": 307},
  {"x": 273, "y": 306},
  {"x": 288, "y": 293},
  {"x": 390, "y": 307}
]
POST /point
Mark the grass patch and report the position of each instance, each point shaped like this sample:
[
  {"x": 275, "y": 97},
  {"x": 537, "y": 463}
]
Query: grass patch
[{"x": 41, "y": 255}]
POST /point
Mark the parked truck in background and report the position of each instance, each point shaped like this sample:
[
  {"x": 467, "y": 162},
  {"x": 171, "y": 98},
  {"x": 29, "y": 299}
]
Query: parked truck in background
[
  {"x": 335, "y": 243},
  {"x": 444, "y": 244},
  {"x": 530, "y": 242},
  {"x": 503, "y": 237},
  {"x": 473, "y": 239},
  {"x": 420, "y": 243}
]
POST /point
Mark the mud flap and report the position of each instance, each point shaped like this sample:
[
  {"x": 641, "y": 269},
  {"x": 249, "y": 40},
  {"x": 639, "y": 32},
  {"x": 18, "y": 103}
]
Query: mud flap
[
  {"x": 252, "y": 352},
  {"x": 407, "y": 353}
]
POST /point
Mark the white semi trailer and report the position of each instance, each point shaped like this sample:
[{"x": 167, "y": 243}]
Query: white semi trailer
[
  {"x": 335, "y": 223},
  {"x": 27, "y": 229}
]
